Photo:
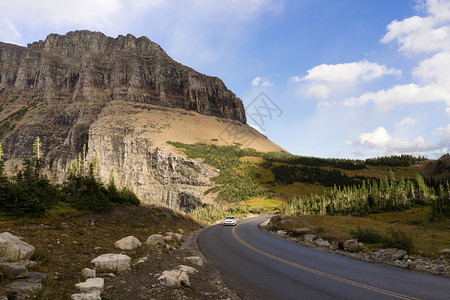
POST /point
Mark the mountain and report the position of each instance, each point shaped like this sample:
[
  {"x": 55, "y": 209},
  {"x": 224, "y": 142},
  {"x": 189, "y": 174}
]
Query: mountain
[{"x": 124, "y": 98}]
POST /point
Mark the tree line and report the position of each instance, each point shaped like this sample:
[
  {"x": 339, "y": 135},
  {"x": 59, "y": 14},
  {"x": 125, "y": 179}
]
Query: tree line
[
  {"x": 374, "y": 196},
  {"x": 30, "y": 192}
]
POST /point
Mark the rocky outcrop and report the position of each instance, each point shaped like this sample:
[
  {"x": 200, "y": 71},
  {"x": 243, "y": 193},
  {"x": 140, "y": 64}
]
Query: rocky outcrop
[
  {"x": 121, "y": 97},
  {"x": 21, "y": 283}
]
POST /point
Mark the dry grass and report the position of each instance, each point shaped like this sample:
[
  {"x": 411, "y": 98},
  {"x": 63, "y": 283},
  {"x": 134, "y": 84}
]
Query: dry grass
[
  {"x": 428, "y": 237},
  {"x": 66, "y": 245}
]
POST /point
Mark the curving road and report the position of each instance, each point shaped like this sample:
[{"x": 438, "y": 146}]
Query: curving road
[{"x": 260, "y": 266}]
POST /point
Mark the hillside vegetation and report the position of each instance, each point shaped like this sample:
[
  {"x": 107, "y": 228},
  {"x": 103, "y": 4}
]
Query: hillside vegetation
[{"x": 255, "y": 182}]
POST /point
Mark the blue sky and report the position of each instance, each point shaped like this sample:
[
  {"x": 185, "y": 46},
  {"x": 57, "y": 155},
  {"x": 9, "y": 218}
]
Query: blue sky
[{"x": 349, "y": 78}]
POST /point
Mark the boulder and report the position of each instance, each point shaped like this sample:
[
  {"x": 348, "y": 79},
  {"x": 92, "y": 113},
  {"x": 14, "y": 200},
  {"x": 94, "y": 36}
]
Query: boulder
[
  {"x": 88, "y": 273},
  {"x": 444, "y": 251},
  {"x": 34, "y": 277},
  {"x": 114, "y": 263},
  {"x": 388, "y": 255},
  {"x": 168, "y": 238},
  {"x": 309, "y": 238},
  {"x": 174, "y": 278},
  {"x": 12, "y": 248},
  {"x": 91, "y": 285},
  {"x": 155, "y": 239},
  {"x": 281, "y": 232},
  {"x": 128, "y": 243},
  {"x": 22, "y": 290},
  {"x": 349, "y": 245},
  {"x": 196, "y": 260},
  {"x": 322, "y": 243},
  {"x": 86, "y": 296},
  {"x": 13, "y": 270},
  {"x": 187, "y": 269}
]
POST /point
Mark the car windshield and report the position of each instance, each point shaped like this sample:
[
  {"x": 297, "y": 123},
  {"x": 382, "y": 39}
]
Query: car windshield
[{"x": 229, "y": 218}]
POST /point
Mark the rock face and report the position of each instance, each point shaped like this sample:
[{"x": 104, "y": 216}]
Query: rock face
[{"x": 123, "y": 98}]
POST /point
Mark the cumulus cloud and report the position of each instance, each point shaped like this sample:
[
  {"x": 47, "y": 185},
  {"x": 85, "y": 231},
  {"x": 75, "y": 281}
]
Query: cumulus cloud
[
  {"x": 349, "y": 72},
  {"x": 422, "y": 34},
  {"x": 402, "y": 94},
  {"x": 261, "y": 82},
  {"x": 380, "y": 139},
  {"x": 434, "y": 70}
]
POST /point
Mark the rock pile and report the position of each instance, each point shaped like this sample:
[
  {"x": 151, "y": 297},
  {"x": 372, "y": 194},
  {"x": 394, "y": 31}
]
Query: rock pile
[
  {"x": 15, "y": 256},
  {"x": 356, "y": 249},
  {"x": 113, "y": 264}
]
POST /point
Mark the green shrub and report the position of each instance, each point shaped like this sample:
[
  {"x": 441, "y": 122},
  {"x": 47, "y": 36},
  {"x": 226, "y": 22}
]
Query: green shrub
[
  {"x": 398, "y": 239},
  {"x": 367, "y": 235}
]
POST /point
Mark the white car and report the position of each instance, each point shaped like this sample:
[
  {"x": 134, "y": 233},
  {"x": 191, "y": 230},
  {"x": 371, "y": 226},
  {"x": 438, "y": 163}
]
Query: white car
[{"x": 229, "y": 220}]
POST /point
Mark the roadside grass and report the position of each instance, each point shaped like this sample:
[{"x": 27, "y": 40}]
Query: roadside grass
[
  {"x": 64, "y": 245},
  {"x": 261, "y": 202},
  {"x": 428, "y": 237}
]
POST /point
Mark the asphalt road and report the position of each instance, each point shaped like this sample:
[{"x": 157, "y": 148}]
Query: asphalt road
[{"x": 260, "y": 266}]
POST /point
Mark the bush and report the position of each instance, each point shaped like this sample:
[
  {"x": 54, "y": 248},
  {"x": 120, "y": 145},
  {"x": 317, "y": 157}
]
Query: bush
[
  {"x": 393, "y": 238},
  {"x": 398, "y": 239},
  {"x": 367, "y": 235}
]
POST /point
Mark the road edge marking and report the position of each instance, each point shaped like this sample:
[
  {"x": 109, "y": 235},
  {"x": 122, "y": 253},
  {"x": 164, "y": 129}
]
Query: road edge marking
[{"x": 320, "y": 273}]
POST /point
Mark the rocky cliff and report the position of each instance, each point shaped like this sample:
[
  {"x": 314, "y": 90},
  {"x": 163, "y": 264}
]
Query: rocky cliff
[{"x": 124, "y": 98}]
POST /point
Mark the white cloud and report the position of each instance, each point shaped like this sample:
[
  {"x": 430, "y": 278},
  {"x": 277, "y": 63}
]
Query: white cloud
[
  {"x": 8, "y": 31},
  {"x": 261, "y": 82},
  {"x": 402, "y": 94},
  {"x": 434, "y": 70},
  {"x": 349, "y": 72},
  {"x": 443, "y": 133},
  {"x": 318, "y": 91},
  {"x": 408, "y": 122},
  {"x": 422, "y": 34},
  {"x": 88, "y": 13},
  {"x": 380, "y": 139}
]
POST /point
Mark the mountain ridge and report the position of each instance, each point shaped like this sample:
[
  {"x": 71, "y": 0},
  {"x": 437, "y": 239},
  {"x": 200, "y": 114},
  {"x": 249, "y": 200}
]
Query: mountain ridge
[{"x": 124, "y": 98}]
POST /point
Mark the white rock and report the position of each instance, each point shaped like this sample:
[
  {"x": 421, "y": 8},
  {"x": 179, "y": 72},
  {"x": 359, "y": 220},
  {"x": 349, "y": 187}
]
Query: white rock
[
  {"x": 309, "y": 238},
  {"x": 115, "y": 263},
  {"x": 281, "y": 232},
  {"x": 444, "y": 251},
  {"x": 174, "y": 278},
  {"x": 87, "y": 296},
  {"x": 128, "y": 243},
  {"x": 322, "y": 243},
  {"x": 91, "y": 285},
  {"x": 187, "y": 269},
  {"x": 168, "y": 238},
  {"x": 88, "y": 273},
  {"x": 196, "y": 260},
  {"x": 178, "y": 236},
  {"x": 14, "y": 249},
  {"x": 155, "y": 239}
]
